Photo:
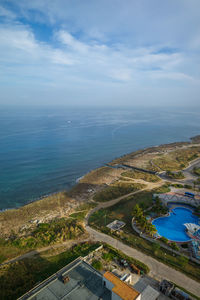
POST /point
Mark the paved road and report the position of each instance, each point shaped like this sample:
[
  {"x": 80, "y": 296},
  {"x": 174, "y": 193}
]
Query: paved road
[
  {"x": 158, "y": 270},
  {"x": 189, "y": 177}
]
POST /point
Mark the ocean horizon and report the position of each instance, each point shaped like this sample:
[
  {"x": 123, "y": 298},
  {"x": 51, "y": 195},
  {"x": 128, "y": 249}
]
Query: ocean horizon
[{"x": 44, "y": 150}]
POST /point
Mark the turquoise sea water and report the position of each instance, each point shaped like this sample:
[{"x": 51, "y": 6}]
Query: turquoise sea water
[
  {"x": 45, "y": 150},
  {"x": 172, "y": 227}
]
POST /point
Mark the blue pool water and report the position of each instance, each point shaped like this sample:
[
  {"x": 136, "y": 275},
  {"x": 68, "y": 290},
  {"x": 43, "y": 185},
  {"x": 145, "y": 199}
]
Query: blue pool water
[{"x": 172, "y": 227}]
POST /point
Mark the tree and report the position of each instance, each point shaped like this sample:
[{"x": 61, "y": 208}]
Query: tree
[
  {"x": 137, "y": 211},
  {"x": 151, "y": 229},
  {"x": 174, "y": 246}
]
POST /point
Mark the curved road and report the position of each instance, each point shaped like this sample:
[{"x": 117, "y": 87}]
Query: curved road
[
  {"x": 158, "y": 270},
  {"x": 189, "y": 177}
]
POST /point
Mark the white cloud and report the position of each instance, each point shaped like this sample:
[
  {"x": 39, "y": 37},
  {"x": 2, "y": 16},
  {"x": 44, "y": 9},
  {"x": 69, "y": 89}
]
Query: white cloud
[
  {"x": 87, "y": 53},
  {"x": 18, "y": 44}
]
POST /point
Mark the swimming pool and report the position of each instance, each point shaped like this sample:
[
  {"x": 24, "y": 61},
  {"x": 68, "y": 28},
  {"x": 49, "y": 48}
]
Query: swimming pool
[{"x": 172, "y": 226}]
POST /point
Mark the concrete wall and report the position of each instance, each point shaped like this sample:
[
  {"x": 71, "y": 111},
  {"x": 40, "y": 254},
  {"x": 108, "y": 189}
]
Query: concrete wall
[{"x": 108, "y": 284}]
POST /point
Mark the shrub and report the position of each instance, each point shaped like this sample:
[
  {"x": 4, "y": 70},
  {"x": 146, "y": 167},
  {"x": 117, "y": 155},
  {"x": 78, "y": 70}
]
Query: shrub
[
  {"x": 187, "y": 186},
  {"x": 164, "y": 240},
  {"x": 183, "y": 260},
  {"x": 97, "y": 264},
  {"x": 174, "y": 246},
  {"x": 108, "y": 256},
  {"x": 117, "y": 190},
  {"x": 121, "y": 255}
]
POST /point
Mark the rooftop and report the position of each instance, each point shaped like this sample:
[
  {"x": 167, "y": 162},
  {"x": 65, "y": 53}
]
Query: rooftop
[
  {"x": 121, "y": 288},
  {"x": 149, "y": 294},
  {"x": 77, "y": 280},
  {"x": 116, "y": 225}
]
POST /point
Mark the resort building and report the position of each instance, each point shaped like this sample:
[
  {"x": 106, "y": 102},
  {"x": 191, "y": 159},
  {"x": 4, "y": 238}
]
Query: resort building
[
  {"x": 120, "y": 289},
  {"x": 178, "y": 197},
  {"x": 79, "y": 280}
]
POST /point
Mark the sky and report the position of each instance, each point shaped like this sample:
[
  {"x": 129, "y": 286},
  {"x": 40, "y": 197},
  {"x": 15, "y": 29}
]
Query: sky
[{"x": 107, "y": 52}]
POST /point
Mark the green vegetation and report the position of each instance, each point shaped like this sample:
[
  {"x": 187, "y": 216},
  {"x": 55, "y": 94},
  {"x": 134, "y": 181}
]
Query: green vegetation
[
  {"x": 107, "y": 256},
  {"x": 14, "y": 219},
  {"x": 188, "y": 186},
  {"x": 165, "y": 188},
  {"x": 97, "y": 264},
  {"x": 177, "y": 185},
  {"x": 116, "y": 190},
  {"x": 155, "y": 247},
  {"x": 82, "y": 210},
  {"x": 164, "y": 240},
  {"x": 174, "y": 246},
  {"x": 142, "y": 222},
  {"x": 18, "y": 278},
  {"x": 100, "y": 176},
  {"x": 183, "y": 261},
  {"x": 175, "y": 175},
  {"x": 141, "y": 175},
  {"x": 45, "y": 234},
  {"x": 79, "y": 215},
  {"x": 196, "y": 171},
  {"x": 117, "y": 254},
  {"x": 158, "y": 207},
  {"x": 121, "y": 211},
  {"x": 177, "y": 160},
  {"x": 186, "y": 291}
]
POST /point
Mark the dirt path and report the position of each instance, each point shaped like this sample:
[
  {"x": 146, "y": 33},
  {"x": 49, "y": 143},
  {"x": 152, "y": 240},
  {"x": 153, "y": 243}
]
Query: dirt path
[
  {"x": 158, "y": 270},
  {"x": 30, "y": 254},
  {"x": 149, "y": 186}
]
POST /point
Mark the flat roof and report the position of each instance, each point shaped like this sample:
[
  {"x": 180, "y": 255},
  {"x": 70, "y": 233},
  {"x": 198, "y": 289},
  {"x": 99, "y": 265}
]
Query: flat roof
[
  {"x": 84, "y": 283},
  {"x": 149, "y": 293},
  {"x": 121, "y": 288}
]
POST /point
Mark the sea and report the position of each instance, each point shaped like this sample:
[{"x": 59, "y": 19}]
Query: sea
[{"x": 44, "y": 150}]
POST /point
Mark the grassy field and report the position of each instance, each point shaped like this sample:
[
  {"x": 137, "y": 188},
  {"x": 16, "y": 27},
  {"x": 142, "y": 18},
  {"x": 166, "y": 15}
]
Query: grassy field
[
  {"x": 123, "y": 211},
  {"x": 116, "y": 190},
  {"x": 177, "y": 160},
  {"x": 45, "y": 234},
  {"x": 175, "y": 175},
  {"x": 18, "y": 278},
  {"x": 14, "y": 219},
  {"x": 82, "y": 210},
  {"x": 103, "y": 175},
  {"x": 141, "y": 175}
]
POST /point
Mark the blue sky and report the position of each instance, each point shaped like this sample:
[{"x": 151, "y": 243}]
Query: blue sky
[{"x": 108, "y": 52}]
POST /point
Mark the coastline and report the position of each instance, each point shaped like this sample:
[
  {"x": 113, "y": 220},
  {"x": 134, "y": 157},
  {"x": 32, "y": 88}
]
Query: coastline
[
  {"x": 192, "y": 140},
  {"x": 62, "y": 204}
]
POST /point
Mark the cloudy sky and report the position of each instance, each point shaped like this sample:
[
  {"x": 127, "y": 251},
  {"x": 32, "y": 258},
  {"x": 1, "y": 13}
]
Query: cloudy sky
[{"x": 107, "y": 52}]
